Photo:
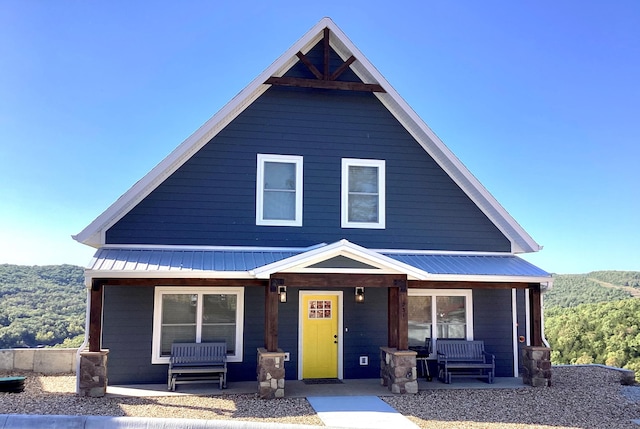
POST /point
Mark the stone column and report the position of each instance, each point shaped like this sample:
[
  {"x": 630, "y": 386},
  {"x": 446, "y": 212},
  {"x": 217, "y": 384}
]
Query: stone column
[
  {"x": 92, "y": 378},
  {"x": 270, "y": 374},
  {"x": 537, "y": 366},
  {"x": 398, "y": 370}
]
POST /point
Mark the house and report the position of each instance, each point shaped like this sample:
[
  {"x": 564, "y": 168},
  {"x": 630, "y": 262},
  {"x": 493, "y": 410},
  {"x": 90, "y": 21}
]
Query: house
[{"x": 316, "y": 217}]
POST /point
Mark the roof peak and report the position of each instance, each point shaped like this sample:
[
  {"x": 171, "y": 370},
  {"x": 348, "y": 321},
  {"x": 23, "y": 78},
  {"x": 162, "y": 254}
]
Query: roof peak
[{"x": 95, "y": 233}]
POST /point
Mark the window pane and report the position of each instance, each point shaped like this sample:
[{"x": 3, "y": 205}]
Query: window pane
[
  {"x": 419, "y": 319},
  {"x": 219, "y": 319},
  {"x": 363, "y": 179},
  {"x": 279, "y": 175},
  {"x": 225, "y": 333},
  {"x": 451, "y": 317},
  {"x": 219, "y": 308},
  {"x": 279, "y": 205},
  {"x": 176, "y": 334},
  {"x": 363, "y": 208},
  {"x": 179, "y": 308}
]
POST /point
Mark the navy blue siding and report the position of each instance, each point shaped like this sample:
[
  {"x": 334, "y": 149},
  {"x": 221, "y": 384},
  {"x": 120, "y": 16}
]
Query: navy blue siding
[
  {"x": 365, "y": 332},
  {"x": 210, "y": 200},
  {"x": 128, "y": 332},
  {"x": 492, "y": 323}
]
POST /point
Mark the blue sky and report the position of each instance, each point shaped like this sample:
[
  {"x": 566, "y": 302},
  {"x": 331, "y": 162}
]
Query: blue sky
[{"x": 540, "y": 100}]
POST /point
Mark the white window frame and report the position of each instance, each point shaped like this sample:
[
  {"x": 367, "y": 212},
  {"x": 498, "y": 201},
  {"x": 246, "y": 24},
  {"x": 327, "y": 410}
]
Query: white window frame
[
  {"x": 292, "y": 159},
  {"x": 378, "y": 163},
  {"x": 433, "y": 293},
  {"x": 156, "y": 358}
]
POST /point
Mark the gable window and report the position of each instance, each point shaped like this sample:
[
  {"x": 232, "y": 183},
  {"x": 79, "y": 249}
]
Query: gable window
[
  {"x": 439, "y": 314},
  {"x": 363, "y": 193},
  {"x": 197, "y": 315},
  {"x": 279, "y": 190}
]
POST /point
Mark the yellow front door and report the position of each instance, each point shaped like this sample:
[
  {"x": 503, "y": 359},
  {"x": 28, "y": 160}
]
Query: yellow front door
[{"x": 319, "y": 336}]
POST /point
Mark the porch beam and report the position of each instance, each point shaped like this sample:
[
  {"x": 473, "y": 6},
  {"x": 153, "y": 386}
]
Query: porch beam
[
  {"x": 271, "y": 314},
  {"x": 324, "y": 84},
  {"x": 319, "y": 280},
  {"x": 95, "y": 316},
  {"x": 167, "y": 281},
  {"x": 423, "y": 284}
]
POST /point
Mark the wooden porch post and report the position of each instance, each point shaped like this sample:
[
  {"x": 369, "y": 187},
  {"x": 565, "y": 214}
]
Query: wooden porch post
[
  {"x": 535, "y": 303},
  {"x": 271, "y": 315},
  {"x": 95, "y": 316},
  {"x": 392, "y": 304},
  {"x": 398, "y": 311},
  {"x": 403, "y": 314}
]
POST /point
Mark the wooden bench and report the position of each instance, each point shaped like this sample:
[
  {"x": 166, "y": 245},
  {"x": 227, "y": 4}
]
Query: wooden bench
[
  {"x": 198, "y": 363},
  {"x": 460, "y": 358}
]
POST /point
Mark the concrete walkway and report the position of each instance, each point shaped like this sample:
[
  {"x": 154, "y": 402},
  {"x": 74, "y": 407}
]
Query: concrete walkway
[{"x": 368, "y": 412}]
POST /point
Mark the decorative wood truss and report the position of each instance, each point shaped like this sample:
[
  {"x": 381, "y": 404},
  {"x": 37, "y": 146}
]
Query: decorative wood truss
[{"x": 325, "y": 79}]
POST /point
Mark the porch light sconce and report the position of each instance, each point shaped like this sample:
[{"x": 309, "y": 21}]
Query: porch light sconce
[
  {"x": 359, "y": 294},
  {"x": 282, "y": 293}
]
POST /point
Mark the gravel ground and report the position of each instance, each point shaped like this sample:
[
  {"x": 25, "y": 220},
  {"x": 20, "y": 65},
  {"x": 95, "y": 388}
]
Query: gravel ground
[{"x": 581, "y": 397}]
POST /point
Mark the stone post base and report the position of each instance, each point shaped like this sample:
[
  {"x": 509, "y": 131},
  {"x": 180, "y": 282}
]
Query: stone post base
[
  {"x": 537, "y": 366},
  {"x": 398, "y": 370},
  {"x": 270, "y": 374},
  {"x": 92, "y": 377}
]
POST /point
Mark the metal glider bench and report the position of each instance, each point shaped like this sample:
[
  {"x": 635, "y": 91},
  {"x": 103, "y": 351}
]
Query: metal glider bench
[
  {"x": 460, "y": 358},
  {"x": 198, "y": 363}
]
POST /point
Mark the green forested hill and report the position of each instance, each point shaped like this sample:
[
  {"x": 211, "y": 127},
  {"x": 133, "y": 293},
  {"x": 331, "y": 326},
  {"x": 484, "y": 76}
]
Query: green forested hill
[
  {"x": 570, "y": 290},
  {"x": 41, "y": 305},
  {"x": 595, "y": 318}
]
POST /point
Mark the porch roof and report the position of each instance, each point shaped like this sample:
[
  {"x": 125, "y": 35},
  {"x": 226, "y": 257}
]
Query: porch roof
[{"x": 235, "y": 262}]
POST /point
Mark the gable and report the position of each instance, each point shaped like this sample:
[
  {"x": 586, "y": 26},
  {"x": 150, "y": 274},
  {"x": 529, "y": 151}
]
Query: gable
[
  {"x": 95, "y": 234},
  {"x": 210, "y": 199}
]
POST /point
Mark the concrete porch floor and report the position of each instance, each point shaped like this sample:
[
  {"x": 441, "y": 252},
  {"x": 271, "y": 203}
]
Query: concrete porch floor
[{"x": 298, "y": 389}]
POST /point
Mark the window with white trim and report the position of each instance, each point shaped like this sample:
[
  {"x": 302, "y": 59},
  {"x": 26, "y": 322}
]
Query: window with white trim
[
  {"x": 200, "y": 315},
  {"x": 279, "y": 190},
  {"x": 363, "y": 193},
  {"x": 439, "y": 314}
]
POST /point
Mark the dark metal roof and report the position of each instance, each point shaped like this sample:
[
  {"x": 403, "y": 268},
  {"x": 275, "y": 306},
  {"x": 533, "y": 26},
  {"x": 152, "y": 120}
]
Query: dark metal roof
[{"x": 176, "y": 260}]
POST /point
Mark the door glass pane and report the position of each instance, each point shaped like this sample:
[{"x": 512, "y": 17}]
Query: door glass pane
[
  {"x": 451, "y": 317},
  {"x": 419, "y": 320},
  {"x": 178, "y": 320}
]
